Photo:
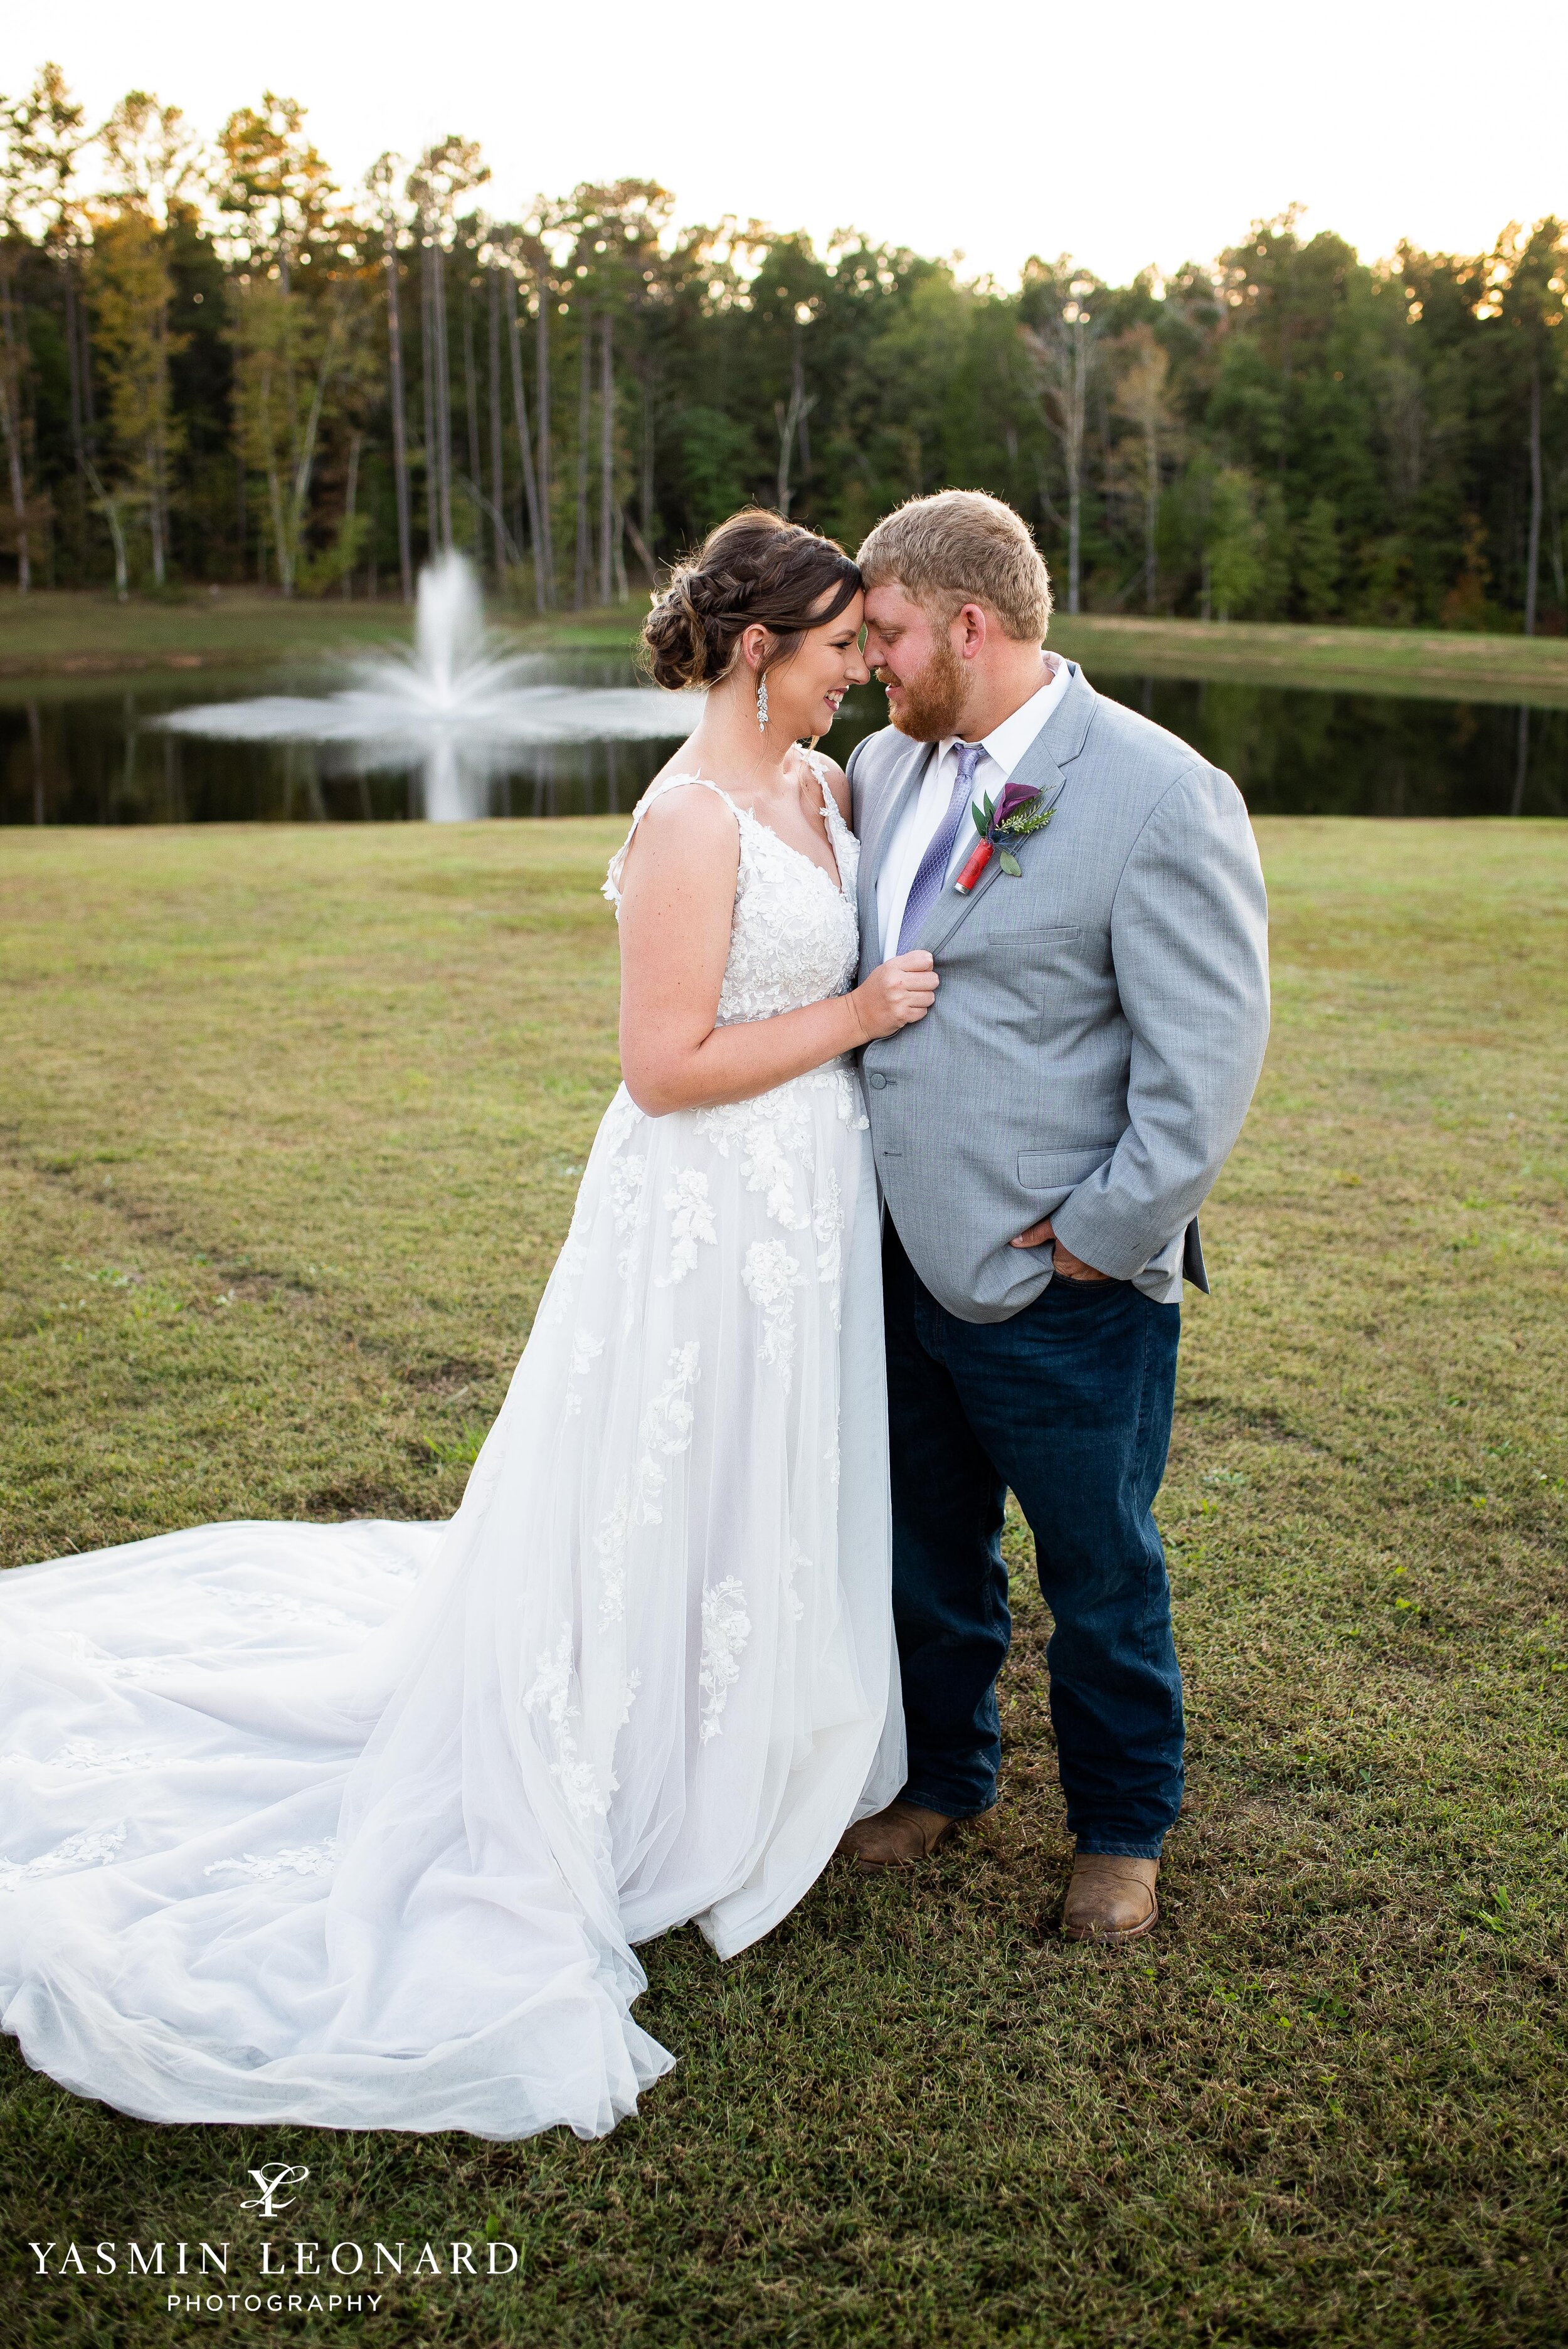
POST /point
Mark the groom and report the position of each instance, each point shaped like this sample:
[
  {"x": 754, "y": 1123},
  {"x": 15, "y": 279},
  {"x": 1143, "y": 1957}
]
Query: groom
[{"x": 1044, "y": 1140}]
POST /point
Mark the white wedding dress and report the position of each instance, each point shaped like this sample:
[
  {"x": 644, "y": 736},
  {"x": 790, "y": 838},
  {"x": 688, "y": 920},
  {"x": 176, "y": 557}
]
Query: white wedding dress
[{"x": 357, "y": 1825}]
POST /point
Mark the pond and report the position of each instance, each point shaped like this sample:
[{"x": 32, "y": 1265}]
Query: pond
[{"x": 100, "y": 753}]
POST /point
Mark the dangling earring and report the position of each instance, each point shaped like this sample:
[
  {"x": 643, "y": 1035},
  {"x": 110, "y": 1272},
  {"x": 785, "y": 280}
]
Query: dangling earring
[{"x": 762, "y": 705}]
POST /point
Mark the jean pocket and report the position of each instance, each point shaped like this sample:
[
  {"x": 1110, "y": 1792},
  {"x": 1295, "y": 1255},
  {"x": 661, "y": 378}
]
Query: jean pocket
[{"x": 1077, "y": 1296}]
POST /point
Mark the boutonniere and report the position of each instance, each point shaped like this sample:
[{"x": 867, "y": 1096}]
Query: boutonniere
[{"x": 1014, "y": 817}]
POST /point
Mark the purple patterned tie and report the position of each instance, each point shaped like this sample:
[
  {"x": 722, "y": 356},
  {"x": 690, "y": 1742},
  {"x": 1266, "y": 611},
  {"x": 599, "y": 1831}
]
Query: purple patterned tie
[{"x": 926, "y": 885}]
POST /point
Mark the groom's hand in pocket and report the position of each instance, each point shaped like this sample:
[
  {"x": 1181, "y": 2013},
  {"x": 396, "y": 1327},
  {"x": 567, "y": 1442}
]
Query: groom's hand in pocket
[{"x": 1064, "y": 1264}]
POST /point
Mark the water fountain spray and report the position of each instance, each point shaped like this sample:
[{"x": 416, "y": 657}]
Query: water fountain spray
[{"x": 455, "y": 704}]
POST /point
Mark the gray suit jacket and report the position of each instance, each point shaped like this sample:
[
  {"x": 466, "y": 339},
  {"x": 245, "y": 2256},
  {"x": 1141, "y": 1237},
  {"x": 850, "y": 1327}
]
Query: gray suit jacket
[{"x": 1101, "y": 1022}]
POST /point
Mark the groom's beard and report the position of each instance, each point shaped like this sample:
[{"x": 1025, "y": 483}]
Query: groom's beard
[{"x": 932, "y": 701}]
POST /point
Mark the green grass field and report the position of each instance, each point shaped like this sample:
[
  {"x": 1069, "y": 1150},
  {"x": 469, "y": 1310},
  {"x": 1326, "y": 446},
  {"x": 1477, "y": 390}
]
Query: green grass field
[
  {"x": 1427, "y": 665},
  {"x": 63, "y": 634},
  {"x": 290, "y": 1126},
  {"x": 77, "y": 635}
]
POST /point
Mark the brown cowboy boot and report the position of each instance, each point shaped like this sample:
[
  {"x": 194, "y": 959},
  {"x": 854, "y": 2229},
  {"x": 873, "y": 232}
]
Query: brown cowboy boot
[
  {"x": 1111, "y": 1898},
  {"x": 896, "y": 1837}
]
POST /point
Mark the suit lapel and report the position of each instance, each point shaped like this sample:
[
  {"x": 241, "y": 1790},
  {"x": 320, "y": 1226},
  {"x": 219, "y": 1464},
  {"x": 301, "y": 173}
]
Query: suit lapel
[
  {"x": 1044, "y": 765},
  {"x": 881, "y": 824}
]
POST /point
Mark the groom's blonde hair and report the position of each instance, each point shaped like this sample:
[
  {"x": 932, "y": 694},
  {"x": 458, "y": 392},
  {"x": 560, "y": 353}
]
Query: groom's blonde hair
[{"x": 963, "y": 547}]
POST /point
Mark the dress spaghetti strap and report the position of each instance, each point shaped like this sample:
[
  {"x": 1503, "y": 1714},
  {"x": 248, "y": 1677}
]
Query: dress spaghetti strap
[{"x": 833, "y": 818}]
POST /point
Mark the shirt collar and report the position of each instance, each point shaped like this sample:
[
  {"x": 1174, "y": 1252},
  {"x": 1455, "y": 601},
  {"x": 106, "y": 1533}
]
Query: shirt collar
[{"x": 1007, "y": 743}]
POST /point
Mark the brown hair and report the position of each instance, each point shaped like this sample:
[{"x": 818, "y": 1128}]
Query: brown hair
[
  {"x": 962, "y": 547},
  {"x": 754, "y": 569}
]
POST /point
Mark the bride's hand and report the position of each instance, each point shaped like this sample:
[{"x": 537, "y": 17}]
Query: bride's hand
[{"x": 897, "y": 993}]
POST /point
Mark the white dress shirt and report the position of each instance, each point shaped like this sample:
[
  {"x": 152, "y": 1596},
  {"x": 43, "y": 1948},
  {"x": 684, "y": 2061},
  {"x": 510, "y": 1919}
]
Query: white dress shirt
[{"x": 1001, "y": 752}]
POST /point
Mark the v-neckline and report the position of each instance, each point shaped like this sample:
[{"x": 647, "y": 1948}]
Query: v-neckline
[{"x": 835, "y": 880}]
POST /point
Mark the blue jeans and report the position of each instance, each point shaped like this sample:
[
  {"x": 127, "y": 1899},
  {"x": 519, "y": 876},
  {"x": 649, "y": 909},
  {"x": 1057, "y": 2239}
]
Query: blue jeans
[{"x": 1070, "y": 1404}]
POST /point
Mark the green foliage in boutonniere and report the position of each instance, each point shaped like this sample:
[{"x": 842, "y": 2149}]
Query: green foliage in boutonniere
[
  {"x": 1019, "y": 812},
  {"x": 1015, "y": 816},
  {"x": 1030, "y": 817}
]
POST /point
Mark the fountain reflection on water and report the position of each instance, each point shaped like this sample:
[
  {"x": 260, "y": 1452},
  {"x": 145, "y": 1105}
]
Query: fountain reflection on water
[
  {"x": 455, "y": 707},
  {"x": 459, "y": 728}
]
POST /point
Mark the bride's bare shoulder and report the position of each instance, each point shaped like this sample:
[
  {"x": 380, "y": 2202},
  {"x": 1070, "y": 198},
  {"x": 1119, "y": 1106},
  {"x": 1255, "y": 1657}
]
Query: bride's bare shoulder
[
  {"x": 689, "y": 834},
  {"x": 684, "y": 805}
]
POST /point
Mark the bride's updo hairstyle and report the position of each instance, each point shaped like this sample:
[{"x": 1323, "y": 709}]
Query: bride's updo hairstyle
[{"x": 755, "y": 569}]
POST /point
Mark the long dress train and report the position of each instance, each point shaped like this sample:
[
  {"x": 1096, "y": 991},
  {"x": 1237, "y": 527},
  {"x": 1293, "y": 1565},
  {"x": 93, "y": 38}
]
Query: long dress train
[{"x": 357, "y": 1825}]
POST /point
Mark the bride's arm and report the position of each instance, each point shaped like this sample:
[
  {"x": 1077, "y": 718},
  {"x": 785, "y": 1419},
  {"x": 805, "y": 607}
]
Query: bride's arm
[{"x": 677, "y": 898}]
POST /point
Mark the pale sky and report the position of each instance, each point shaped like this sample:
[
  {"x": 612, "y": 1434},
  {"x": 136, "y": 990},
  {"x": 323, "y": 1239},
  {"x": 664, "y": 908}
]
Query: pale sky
[{"x": 1122, "y": 134}]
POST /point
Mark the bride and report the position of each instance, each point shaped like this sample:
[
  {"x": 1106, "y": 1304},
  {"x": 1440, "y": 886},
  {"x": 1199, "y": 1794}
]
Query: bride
[{"x": 357, "y": 1825}]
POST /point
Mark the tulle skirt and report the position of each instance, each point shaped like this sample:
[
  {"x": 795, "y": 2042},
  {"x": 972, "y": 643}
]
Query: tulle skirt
[{"x": 358, "y": 1825}]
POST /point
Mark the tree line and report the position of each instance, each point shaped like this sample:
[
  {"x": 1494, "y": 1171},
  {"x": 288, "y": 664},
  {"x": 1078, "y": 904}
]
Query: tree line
[{"x": 218, "y": 364}]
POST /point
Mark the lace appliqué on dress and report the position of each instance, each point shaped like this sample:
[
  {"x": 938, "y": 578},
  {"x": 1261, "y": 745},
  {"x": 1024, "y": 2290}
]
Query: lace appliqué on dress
[
  {"x": 93, "y": 1847},
  {"x": 794, "y": 940},
  {"x": 726, "y": 1629},
  {"x": 666, "y": 1433},
  {"x": 294, "y": 1859},
  {"x": 577, "y": 1779},
  {"x": 691, "y": 1223},
  {"x": 773, "y": 1134},
  {"x": 80, "y": 1756},
  {"x": 827, "y": 1231},
  {"x": 627, "y": 1181},
  {"x": 114, "y": 1668},
  {"x": 277, "y": 1606},
  {"x": 585, "y": 1352},
  {"x": 561, "y": 1285},
  {"x": 772, "y": 1275}
]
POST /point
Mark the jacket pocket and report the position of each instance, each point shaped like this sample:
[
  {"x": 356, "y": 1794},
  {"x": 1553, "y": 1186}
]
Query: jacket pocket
[{"x": 1060, "y": 1169}]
